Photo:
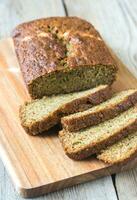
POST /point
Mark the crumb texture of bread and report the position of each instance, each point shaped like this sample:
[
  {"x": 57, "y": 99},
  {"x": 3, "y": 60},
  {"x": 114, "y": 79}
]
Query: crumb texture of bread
[
  {"x": 81, "y": 144},
  {"x": 42, "y": 114},
  {"x": 120, "y": 152},
  {"x": 119, "y": 102},
  {"x": 62, "y": 55}
]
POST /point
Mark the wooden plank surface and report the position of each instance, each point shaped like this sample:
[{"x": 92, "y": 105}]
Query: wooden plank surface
[
  {"x": 11, "y": 13},
  {"x": 38, "y": 165},
  {"x": 117, "y": 22},
  {"x": 126, "y": 184},
  {"x": 101, "y": 189}
]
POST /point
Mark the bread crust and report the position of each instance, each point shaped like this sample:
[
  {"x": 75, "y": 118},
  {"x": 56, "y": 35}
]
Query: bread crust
[
  {"x": 76, "y": 123},
  {"x": 91, "y": 149},
  {"x": 122, "y": 161},
  {"x": 53, "y": 44},
  {"x": 79, "y": 104}
]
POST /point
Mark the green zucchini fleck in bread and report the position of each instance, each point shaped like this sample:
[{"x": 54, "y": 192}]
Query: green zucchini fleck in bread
[
  {"x": 82, "y": 144},
  {"x": 42, "y": 114},
  {"x": 104, "y": 111},
  {"x": 61, "y": 55},
  {"x": 120, "y": 152}
]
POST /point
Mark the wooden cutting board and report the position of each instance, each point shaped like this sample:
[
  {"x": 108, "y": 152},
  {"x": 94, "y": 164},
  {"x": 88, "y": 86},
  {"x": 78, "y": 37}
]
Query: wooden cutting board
[{"x": 38, "y": 164}]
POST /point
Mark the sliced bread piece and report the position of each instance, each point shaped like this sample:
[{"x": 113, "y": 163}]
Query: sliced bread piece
[
  {"x": 120, "y": 152},
  {"x": 41, "y": 114},
  {"x": 81, "y": 144},
  {"x": 118, "y": 103}
]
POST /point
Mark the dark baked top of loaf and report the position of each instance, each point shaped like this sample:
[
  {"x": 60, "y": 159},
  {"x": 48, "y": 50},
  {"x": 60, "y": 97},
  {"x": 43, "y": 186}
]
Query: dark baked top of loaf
[{"x": 58, "y": 43}]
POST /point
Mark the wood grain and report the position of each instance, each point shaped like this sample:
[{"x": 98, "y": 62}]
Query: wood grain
[
  {"x": 97, "y": 189},
  {"x": 129, "y": 191},
  {"x": 119, "y": 30},
  {"x": 17, "y": 12},
  {"x": 38, "y": 164},
  {"x": 116, "y": 21},
  {"x": 13, "y": 12}
]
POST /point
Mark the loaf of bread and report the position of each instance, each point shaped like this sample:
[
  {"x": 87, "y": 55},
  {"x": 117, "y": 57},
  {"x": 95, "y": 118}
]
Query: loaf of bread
[
  {"x": 120, "y": 102},
  {"x": 62, "y": 55},
  {"x": 120, "y": 152},
  {"x": 42, "y": 114},
  {"x": 82, "y": 144}
]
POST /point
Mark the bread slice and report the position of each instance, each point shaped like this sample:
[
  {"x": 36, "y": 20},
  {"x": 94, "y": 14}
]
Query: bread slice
[
  {"x": 41, "y": 114},
  {"x": 104, "y": 111},
  {"x": 120, "y": 152},
  {"x": 81, "y": 144},
  {"x": 59, "y": 55}
]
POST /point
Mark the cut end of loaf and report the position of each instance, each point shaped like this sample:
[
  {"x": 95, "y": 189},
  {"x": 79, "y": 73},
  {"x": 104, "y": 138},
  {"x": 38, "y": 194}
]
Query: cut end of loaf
[
  {"x": 72, "y": 80},
  {"x": 60, "y": 55}
]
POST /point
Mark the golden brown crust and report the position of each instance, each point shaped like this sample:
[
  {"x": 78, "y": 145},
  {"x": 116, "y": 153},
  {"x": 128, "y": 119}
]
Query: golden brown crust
[
  {"x": 76, "y": 123},
  {"x": 38, "y": 126},
  {"x": 120, "y": 162},
  {"x": 76, "y": 105},
  {"x": 91, "y": 149},
  {"x": 47, "y": 45},
  {"x": 121, "y": 152}
]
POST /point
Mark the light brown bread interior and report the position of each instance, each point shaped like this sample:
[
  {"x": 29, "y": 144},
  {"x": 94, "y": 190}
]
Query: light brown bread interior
[
  {"x": 42, "y": 114},
  {"x": 88, "y": 141},
  {"x": 120, "y": 152},
  {"x": 111, "y": 108}
]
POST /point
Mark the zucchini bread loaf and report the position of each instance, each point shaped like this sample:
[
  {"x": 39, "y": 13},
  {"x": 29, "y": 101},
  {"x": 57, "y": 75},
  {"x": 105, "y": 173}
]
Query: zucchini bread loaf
[
  {"x": 81, "y": 144},
  {"x": 62, "y": 55},
  {"x": 120, "y": 102},
  {"x": 42, "y": 114}
]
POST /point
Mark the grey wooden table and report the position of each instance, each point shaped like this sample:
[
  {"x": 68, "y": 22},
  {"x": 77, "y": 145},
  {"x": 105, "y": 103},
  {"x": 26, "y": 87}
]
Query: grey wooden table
[{"x": 117, "y": 22}]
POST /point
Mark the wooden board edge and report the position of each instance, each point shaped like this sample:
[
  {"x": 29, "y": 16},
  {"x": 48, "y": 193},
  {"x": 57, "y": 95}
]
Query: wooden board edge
[
  {"x": 72, "y": 181},
  {"x": 27, "y": 192}
]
